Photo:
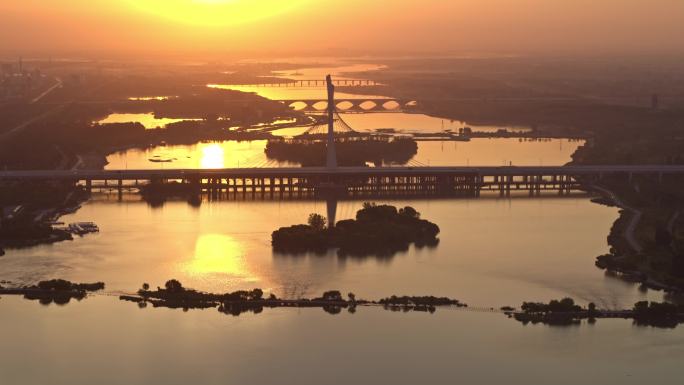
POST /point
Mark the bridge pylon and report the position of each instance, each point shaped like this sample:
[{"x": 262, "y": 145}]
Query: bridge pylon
[{"x": 331, "y": 152}]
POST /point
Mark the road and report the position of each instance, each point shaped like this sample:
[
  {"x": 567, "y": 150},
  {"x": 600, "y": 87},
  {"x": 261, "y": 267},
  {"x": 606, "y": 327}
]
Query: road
[
  {"x": 629, "y": 232},
  {"x": 31, "y": 121},
  {"x": 573, "y": 171},
  {"x": 58, "y": 84}
]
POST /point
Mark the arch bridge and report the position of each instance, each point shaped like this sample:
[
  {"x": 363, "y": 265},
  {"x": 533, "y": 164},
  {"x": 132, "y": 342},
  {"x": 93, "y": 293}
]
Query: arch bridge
[{"x": 352, "y": 104}]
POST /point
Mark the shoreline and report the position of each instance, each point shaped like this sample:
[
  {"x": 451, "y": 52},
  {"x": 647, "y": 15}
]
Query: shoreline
[
  {"x": 174, "y": 296},
  {"x": 627, "y": 226}
]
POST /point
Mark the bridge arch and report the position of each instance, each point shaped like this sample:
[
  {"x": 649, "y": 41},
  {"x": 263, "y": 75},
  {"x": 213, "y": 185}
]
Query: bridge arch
[
  {"x": 368, "y": 105},
  {"x": 298, "y": 106},
  {"x": 320, "y": 105},
  {"x": 391, "y": 105},
  {"x": 345, "y": 105}
]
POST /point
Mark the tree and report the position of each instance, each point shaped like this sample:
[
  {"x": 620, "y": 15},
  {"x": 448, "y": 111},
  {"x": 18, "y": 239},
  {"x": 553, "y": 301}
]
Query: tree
[
  {"x": 368, "y": 205},
  {"x": 173, "y": 286},
  {"x": 256, "y": 294},
  {"x": 592, "y": 309},
  {"x": 352, "y": 297},
  {"x": 409, "y": 212},
  {"x": 332, "y": 295},
  {"x": 146, "y": 286},
  {"x": 317, "y": 221}
]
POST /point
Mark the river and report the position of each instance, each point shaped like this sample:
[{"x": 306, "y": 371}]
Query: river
[
  {"x": 101, "y": 340},
  {"x": 492, "y": 252}
]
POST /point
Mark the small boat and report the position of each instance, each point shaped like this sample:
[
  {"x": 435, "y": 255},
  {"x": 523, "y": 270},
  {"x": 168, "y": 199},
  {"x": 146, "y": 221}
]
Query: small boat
[
  {"x": 160, "y": 160},
  {"x": 82, "y": 228}
]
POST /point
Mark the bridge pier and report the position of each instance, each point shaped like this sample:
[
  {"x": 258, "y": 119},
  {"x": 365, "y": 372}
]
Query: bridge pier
[{"x": 357, "y": 181}]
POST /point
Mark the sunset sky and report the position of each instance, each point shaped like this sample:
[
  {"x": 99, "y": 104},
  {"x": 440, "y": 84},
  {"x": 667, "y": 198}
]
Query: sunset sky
[{"x": 362, "y": 26}]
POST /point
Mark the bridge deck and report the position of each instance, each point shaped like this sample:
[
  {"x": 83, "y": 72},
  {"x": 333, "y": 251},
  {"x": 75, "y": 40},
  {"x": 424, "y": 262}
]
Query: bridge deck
[{"x": 295, "y": 172}]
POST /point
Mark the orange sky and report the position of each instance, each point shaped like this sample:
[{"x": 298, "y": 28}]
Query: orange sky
[{"x": 370, "y": 26}]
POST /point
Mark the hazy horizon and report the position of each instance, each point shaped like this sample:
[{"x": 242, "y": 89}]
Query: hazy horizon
[{"x": 281, "y": 28}]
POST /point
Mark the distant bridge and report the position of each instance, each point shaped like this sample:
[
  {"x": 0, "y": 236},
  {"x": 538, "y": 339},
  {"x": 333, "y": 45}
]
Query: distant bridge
[
  {"x": 352, "y": 104},
  {"x": 356, "y": 181},
  {"x": 311, "y": 83}
]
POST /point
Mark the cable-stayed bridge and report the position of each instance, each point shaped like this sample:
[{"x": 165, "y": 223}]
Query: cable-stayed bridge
[{"x": 468, "y": 181}]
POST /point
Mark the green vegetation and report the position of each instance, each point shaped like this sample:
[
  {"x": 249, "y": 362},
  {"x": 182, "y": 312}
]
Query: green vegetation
[
  {"x": 175, "y": 296},
  {"x": 416, "y": 303},
  {"x": 36, "y": 204},
  {"x": 566, "y": 312},
  {"x": 380, "y": 230},
  {"x": 57, "y": 291},
  {"x": 665, "y": 315},
  {"x": 563, "y": 312},
  {"x": 659, "y": 232}
]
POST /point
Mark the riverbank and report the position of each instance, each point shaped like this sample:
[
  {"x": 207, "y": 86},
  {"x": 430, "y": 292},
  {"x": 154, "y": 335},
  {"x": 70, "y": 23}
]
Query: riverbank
[
  {"x": 643, "y": 244},
  {"x": 37, "y": 209},
  {"x": 174, "y": 295}
]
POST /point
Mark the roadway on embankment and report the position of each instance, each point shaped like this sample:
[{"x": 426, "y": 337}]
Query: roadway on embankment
[{"x": 635, "y": 218}]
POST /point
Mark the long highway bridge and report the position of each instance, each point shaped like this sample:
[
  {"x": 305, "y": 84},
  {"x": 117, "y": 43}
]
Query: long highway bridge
[
  {"x": 311, "y": 83},
  {"x": 463, "y": 181}
]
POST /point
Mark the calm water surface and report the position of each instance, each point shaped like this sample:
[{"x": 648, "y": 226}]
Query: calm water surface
[
  {"x": 477, "y": 152},
  {"x": 482, "y": 152},
  {"x": 493, "y": 252},
  {"x": 101, "y": 340}
]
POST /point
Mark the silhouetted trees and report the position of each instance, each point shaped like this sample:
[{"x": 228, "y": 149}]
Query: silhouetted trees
[
  {"x": 173, "y": 286},
  {"x": 377, "y": 230},
  {"x": 56, "y": 291},
  {"x": 175, "y": 296},
  {"x": 317, "y": 222},
  {"x": 657, "y": 314}
]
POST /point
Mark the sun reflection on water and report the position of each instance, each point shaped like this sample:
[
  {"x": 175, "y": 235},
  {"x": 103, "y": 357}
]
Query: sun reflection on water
[
  {"x": 220, "y": 254},
  {"x": 213, "y": 156}
]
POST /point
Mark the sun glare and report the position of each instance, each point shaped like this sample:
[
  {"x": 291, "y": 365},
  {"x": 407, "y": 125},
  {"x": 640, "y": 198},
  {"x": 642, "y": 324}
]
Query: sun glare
[
  {"x": 216, "y": 12},
  {"x": 213, "y": 156},
  {"x": 219, "y": 254}
]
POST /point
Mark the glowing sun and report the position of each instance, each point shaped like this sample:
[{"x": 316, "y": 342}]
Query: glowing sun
[{"x": 216, "y": 12}]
